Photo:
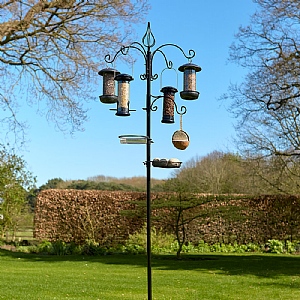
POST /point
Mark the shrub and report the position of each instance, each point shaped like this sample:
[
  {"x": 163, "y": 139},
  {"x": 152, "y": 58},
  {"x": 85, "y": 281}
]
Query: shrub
[
  {"x": 275, "y": 246},
  {"x": 202, "y": 247},
  {"x": 91, "y": 247},
  {"x": 45, "y": 247},
  {"x": 28, "y": 249},
  {"x": 160, "y": 242},
  {"x": 59, "y": 248}
]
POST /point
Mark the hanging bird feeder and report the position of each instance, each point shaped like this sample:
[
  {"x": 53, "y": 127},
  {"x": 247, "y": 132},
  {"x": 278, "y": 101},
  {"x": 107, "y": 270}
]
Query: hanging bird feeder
[
  {"x": 180, "y": 138},
  {"x": 168, "y": 104},
  {"x": 109, "y": 75},
  {"x": 123, "y": 94},
  {"x": 189, "y": 81}
]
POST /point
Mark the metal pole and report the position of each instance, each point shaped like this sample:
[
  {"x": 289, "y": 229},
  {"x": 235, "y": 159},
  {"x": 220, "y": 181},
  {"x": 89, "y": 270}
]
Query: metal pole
[{"x": 148, "y": 166}]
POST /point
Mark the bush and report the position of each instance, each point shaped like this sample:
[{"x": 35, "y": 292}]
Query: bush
[
  {"x": 91, "y": 247},
  {"x": 45, "y": 247},
  {"x": 28, "y": 249},
  {"x": 275, "y": 246},
  {"x": 160, "y": 242}
]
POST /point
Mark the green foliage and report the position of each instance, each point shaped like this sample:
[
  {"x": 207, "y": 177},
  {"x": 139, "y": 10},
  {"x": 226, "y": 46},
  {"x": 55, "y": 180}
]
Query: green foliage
[
  {"x": 15, "y": 184},
  {"x": 184, "y": 207},
  {"x": 60, "y": 248},
  {"x": 91, "y": 247},
  {"x": 52, "y": 184},
  {"x": 275, "y": 246},
  {"x": 58, "y": 183},
  {"x": 45, "y": 247},
  {"x": 291, "y": 247},
  {"x": 160, "y": 242}
]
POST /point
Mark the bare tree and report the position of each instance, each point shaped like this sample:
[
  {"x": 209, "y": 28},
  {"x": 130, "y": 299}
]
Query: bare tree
[
  {"x": 268, "y": 100},
  {"x": 215, "y": 173},
  {"x": 50, "y": 51}
]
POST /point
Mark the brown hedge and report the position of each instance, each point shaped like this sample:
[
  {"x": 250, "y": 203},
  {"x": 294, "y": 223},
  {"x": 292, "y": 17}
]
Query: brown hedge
[{"x": 76, "y": 215}]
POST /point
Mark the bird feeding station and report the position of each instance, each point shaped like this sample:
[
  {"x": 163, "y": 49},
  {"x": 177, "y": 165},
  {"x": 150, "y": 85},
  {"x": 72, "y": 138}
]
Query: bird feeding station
[{"x": 145, "y": 48}]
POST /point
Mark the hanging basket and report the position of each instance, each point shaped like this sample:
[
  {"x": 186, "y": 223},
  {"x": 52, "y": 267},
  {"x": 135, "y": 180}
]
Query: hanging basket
[{"x": 180, "y": 139}]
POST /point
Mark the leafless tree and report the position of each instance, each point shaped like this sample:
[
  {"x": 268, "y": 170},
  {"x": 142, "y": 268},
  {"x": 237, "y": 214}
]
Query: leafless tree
[
  {"x": 50, "y": 52},
  {"x": 267, "y": 103}
]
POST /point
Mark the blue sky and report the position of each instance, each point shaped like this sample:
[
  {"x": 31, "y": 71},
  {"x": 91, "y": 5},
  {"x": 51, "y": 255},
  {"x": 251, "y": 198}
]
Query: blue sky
[{"x": 207, "y": 27}]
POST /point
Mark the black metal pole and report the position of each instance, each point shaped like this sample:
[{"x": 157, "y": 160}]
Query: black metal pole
[{"x": 148, "y": 166}]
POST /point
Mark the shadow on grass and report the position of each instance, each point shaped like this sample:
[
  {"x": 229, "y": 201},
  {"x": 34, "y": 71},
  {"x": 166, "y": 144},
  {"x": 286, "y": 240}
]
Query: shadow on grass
[{"x": 260, "y": 265}]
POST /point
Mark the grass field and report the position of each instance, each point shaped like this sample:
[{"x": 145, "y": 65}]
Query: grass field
[{"x": 217, "y": 277}]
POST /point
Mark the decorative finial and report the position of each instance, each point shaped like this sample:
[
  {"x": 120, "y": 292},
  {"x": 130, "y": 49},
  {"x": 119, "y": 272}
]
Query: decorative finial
[{"x": 148, "y": 39}]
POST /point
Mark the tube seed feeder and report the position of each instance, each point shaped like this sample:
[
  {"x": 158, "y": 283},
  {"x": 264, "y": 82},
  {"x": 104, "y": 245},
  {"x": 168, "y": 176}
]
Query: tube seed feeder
[
  {"x": 123, "y": 94},
  {"x": 168, "y": 104},
  {"x": 108, "y": 85},
  {"x": 189, "y": 81}
]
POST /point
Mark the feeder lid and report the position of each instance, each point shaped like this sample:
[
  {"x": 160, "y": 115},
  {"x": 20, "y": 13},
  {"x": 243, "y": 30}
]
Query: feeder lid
[
  {"x": 108, "y": 70},
  {"x": 123, "y": 77},
  {"x": 169, "y": 89},
  {"x": 189, "y": 66}
]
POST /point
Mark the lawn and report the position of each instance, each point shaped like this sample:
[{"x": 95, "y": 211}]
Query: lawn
[{"x": 211, "y": 276}]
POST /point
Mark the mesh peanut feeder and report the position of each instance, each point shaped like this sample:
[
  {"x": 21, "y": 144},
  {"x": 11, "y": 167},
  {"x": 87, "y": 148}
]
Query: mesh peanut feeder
[{"x": 180, "y": 138}]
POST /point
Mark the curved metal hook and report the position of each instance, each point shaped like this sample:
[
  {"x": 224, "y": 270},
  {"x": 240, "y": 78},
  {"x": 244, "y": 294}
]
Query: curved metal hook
[
  {"x": 154, "y": 108},
  {"x": 169, "y": 63},
  {"x": 154, "y": 77},
  {"x": 124, "y": 51},
  {"x": 109, "y": 60},
  {"x": 192, "y": 54},
  {"x": 183, "y": 109},
  {"x": 189, "y": 56},
  {"x": 144, "y": 77}
]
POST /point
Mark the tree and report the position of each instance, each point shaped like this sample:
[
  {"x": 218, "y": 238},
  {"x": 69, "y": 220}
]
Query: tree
[
  {"x": 51, "y": 50},
  {"x": 15, "y": 184},
  {"x": 180, "y": 207},
  {"x": 216, "y": 173},
  {"x": 267, "y": 102},
  {"x": 52, "y": 184}
]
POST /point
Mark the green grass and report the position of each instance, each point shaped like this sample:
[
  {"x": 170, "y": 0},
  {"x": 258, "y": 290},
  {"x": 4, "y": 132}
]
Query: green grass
[{"x": 241, "y": 276}]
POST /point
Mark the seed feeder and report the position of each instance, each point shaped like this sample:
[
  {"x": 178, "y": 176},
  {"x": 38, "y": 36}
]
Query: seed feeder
[
  {"x": 189, "y": 81},
  {"x": 168, "y": 104},
  {"x": 109, "y": 75},
  {"x": 180, "y": 138},
  {"x": 123, "y": 94}
]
